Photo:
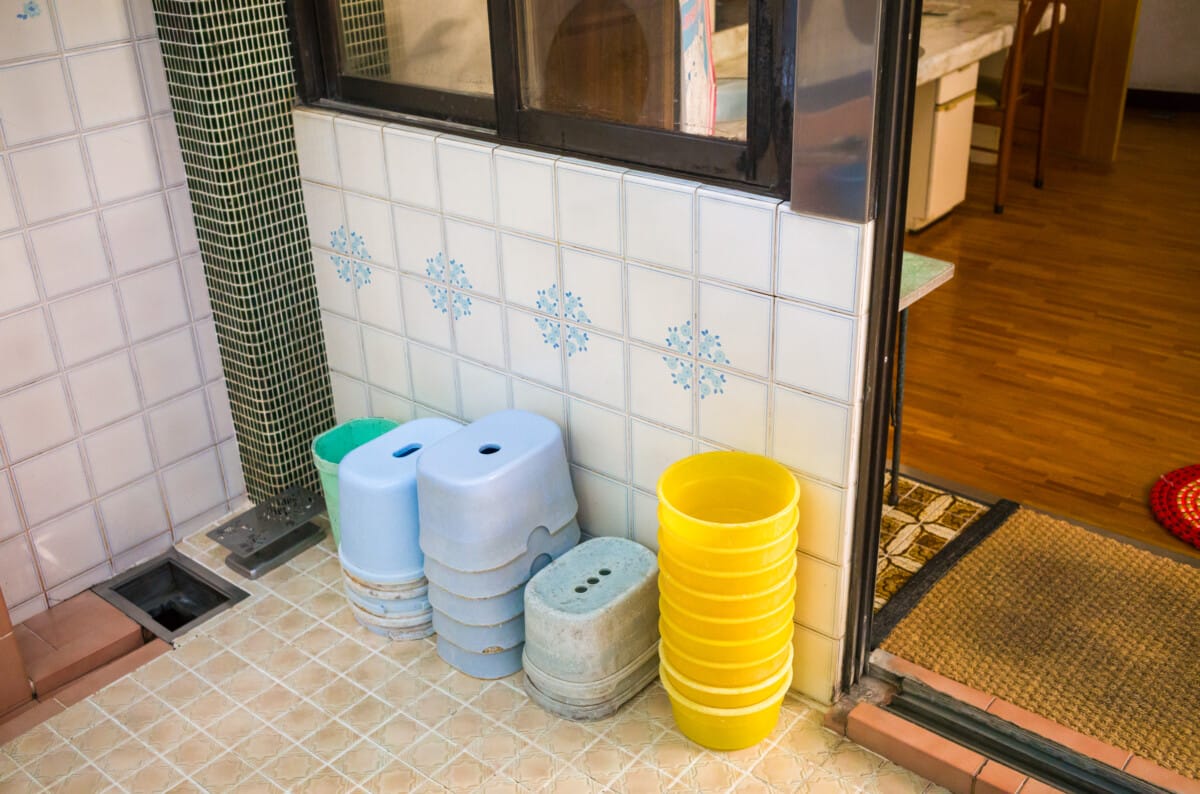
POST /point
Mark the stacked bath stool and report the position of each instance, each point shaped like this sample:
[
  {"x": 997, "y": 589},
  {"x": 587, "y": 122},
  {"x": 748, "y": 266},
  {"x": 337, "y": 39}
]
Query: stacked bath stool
[
  {"x": 380, "y": 553},
  {"x": 496, "y": 506}
]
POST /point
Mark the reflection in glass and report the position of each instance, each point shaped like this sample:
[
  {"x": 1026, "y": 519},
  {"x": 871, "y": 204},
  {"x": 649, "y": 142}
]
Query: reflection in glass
[
  {"x": 441, "y": 45},
  {"x": 668, "y": 64}
]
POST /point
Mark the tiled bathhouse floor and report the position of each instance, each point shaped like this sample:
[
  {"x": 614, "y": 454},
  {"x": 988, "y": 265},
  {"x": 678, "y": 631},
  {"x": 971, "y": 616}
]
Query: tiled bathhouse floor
[{"x": 287, "y": 692}]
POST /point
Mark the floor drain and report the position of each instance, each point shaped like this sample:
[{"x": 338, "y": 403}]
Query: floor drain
[{"x": 265, "y": 537}]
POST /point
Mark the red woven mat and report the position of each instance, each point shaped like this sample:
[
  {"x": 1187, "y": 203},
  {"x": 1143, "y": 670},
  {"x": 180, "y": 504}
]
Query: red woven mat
[{"x": 1175, "y": 500}]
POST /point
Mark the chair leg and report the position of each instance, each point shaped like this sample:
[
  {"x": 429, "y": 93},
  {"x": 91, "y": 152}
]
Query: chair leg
[
  {"x": 1047, "y": 97},
  {"x": 1011, "y": 92}
]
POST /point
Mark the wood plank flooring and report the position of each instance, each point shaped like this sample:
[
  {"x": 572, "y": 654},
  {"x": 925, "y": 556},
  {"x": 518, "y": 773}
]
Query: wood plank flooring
[{"x": 1061, "y": 366}]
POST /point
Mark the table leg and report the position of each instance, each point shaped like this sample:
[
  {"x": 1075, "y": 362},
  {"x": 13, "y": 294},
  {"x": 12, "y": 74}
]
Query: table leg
[{"x": 898, "y": 406}]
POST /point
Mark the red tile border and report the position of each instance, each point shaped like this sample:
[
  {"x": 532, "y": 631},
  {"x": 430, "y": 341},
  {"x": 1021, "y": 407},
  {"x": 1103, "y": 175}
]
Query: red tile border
[
  {"x": 1035, "y": 786},
  {"x": 936, "y": 758},
  {"x": 1080, "y": 743},
  {"x": 947, "y": 686},
  {"x": 1153, "y": 773},
  {"x": 29, "y": 717},
  {"x": 93, "y": 682},
  {"x": 996, "y": 778}
]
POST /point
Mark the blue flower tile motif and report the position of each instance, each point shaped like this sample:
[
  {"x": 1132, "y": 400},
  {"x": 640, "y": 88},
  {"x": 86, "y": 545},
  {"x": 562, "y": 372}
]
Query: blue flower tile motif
[
  {"x": 454, "y": 274},
  {"x": 29, "y": 10},
  {"x": 709, "y": 381},
  {"x": 350, "y": 244},
  {"x": 550, "y": 300}
]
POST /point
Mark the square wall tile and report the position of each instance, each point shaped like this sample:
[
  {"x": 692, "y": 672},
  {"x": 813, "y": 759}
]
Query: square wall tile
[
  {"x": 483, "y": 391},
  {"x": 371, "y": 219},
  {"x": 315, "y": 146},
  {"x": 181, "y": 427},
  {"x": 815, "y": 350},
  {"x": 35, "y": 419},
  {"x": 124, "y": 161},
  {"x": 819, "y": 260},
  {"x": 525, "y": 192},
  {"x": 51, "y": 180},
  {"x": 386, "y": 358},
  {"x": 659, "y": 218},
  {"x": 426, "y": 312},
  {"x": 811, "y": 435},
  {"x": 645, "y": 520},
  {"x": 433, "y": 379},
  {"x": 108, "y": 86},
  {"x": 654, "y": 449},
  {"x": 170, "y": 155},
  {"x": 598, "y": 439},
  {"x": 25, "y": 350},
  {"x": 661, "y": 387},
  {"x": 88, "y": 325},
  {"x": 103, "y": 392},
  {"x": 209, "y": 349},
  {"x": 18, "y": 572},
  {"x": 22, "y": 38},
  {"x": 589, "y": 206},
  {"x": 474, "y": 249},
  {"x": 465, "y": 178},
  {"x": 814, "y": 665},
  {"x": 8, "y": 203},
  {"x": 68, "y": 546},
  {"x": 379, "y": 302},
  {"x": 360, "y": 156},
  {"x": 411, "y": 166},
  {"x": 595, "y": 366},
  {"x": 197, "y": 289},
  {"x": 86, "y": 22},
  {"x": 154, "y": 301},
  {"x": 139, "y": 234},
  {"x": 594, "y": 282},
  {"x": 734, "y": 240},
  {"x": 34, "y": 102},
  {"x": 70, "y": 255},
  {"x": 534, "y": 349},
  {"x": 734, "y": 411},
  {"x": 822, "y": 521},
  {"x": 528, "y": 266},
  {"x": 603, "y": 504},
  {"x": 349, "y": 397},
  {"x": 326, "y": 216},
  {"x": 167, "y": 366},
  {"x": 222, "y": 412},
  {"x": 657, "y": 302},
  {"x": 142, "y": 13},
  {"x": 52, "y": 483},
  {"x": 134, "y": 515},
  {"x": 479, "y": 331},
  {"x": 334, "y": 293},
  {"x": 418, "y": 238},
  {"x": 543, "y": 402},
  {"x": 18, "y": 288},
  {"x": 154, "y": 74},
  {"x": 119, "y": 454},
  {"x": 342, "y": 345},
  {"x": 819, "y": 598},
  {"x": 183, "y": 221},
  {"x": 389, "y": 406},
  {"x": 735, "y": 329},
  {"x": 194, "y": 486}
]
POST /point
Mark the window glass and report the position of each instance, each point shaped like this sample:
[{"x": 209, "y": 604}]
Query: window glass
[
  {"x": 441, "y": 45},
  {"x": 668, "y": 64}
]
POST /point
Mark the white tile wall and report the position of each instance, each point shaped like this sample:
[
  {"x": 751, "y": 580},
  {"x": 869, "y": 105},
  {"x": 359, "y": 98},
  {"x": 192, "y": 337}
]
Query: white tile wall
[
  {"x": 651, "y": 318},
  {"x": 115, "y": 435}
]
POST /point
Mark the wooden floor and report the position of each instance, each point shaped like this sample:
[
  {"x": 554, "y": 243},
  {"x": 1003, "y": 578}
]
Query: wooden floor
[{"x": 1061, "y": 366}]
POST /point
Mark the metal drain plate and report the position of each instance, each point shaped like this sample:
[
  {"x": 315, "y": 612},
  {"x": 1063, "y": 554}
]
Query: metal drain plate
[{"x": 268, "y": 535}]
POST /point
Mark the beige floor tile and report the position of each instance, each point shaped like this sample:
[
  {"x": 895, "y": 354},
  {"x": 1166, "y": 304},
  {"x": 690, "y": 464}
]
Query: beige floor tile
[
  {"x": 572, "y": 781},
  {"x": 221, "y": 668},
  {"x": 77, "y": 719},
  {"x": 641, "y": 778},
  {"x": 338, "y": 695},
  {"x": 404, "y": 654},
  {"x": 367, "y": 714},
  {"x": 602, "y": 761},
  {"x": 310, "y": 677},
  {"x": 708, "y": 773},
  {"x": 498, "y": 701},
  {"x": 535, "y": 769},
  {"x": 324, "y": 602},
  {"x": 206, "y": 708},
  {"x": 350, "y": 651},
  {"x": 99, "y": 739},
  {"x": 223, "y": 774},
  {"x": 86, "y": 780},
  {"x": 782, "y": 769},
  {"x": 401, "y": 688},
  {"x": 429, "y": 667},
  {"x": 266, "y": 610},
  {"x": 19, "y": 783},
  {"x": 273, "y": 702},
  {"x": 634, "y": 735},
  {"x": 167, "y": 732},
  {"x": 432, "y": 707},
  {"x": 258, "y": 647},
  {"x": 291, "y": 767},
  {"x": 362, "y": 761},
  {"x": 465, "y": 726},
  {"x": 371, "y": 672},
  {"x": 430, "y": 753},
  {"x": 246, "y": 684},
  {"x": 126, "y": 758},
  {"x": 159, "y": 672},
  {"x": 284, "y": 661},
  {"x": 194, "y": 651},
  {"x": 672, "y": 754},
  {"x": 195, "y": 753},
  {"x": 290, "y": 624},
  {"x": 396, "y": 776},
  {"x": 261, "y": 746},
  {"x": 317, "y": 639},
  {"x": 234, "y": 727},
  {"x": 565, "y": 739},
  {"x": 500, "y": 784},
  {"x": 33, "y": 743},
  {"x": 302, "y": 720},
  {"x": 142, "y": 714},
  {"x": 119, "y": 695},
  {"x": 257, "y": 784},
  {"x": 331, "y": 740},
  {"x": 327, "y": 781},
  {"x": 52, "y": 766},
  {"x": 498, "y": 746},
  {"x": 463, "y": 774},
  {"x": 184, "y": 689},
  {"x": 155, "y": 777}
]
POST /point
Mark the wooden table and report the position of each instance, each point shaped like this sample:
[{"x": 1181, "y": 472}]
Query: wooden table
[{"x": 919, "y": 276}]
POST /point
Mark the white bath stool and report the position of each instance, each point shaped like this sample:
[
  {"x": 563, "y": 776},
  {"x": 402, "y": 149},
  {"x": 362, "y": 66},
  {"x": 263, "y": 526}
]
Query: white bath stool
[{"x": 591, "y": 628}]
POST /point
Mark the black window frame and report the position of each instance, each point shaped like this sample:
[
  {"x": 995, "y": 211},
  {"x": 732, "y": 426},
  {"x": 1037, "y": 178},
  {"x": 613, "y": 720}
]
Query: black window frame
[{"x": 760, "y": 164}]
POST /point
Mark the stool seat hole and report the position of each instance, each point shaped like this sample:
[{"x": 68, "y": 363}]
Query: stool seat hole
[
  {"x": 581, "y": 589},
  {"x": 605, "y": 572},
  {"x": 489, "y": 449},
  {"x": 593, "y": 580},
  {"x": 404, "y": 452}
]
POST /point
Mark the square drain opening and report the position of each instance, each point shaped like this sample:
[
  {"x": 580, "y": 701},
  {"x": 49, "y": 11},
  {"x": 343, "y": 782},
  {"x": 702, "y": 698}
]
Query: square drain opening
[{"x": 170, "y": 595}]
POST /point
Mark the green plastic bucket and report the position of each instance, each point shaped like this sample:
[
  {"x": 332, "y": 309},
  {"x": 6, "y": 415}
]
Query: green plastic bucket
[{"x": 331, "y": 446}]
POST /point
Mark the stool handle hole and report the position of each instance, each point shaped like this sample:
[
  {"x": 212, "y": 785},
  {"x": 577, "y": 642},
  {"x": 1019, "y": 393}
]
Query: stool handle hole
[
  {"x": 593, "y": 580},
  {"x": 581, "y": 589},
  {"x": 605, "y": 572},
  {"x": 489, "y": 449},
  {"x": 404, "y": 452}
]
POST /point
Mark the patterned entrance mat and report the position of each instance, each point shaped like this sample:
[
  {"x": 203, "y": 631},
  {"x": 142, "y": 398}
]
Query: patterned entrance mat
[{"x": 919, "y": 526}]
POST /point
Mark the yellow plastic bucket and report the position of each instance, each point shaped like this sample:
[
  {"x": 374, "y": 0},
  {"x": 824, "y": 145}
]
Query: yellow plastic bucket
[
  {"x": 728, "y": 500},
  {"x": 728, "y": 674},
  {"x": 746, "y": 582},
  {"x": 722, "y": 605},
  {"x": 725, "y": 650},
  {"x": 727, "y": 729},
  {"x": 719, "y": 560},
  {"x": 732, "y": 629},
  {"x": 725, "y": 697}
]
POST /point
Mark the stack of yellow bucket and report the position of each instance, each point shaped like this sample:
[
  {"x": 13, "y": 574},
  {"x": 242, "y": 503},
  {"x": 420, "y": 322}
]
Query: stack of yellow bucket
[{"x": 727, "y": 589}]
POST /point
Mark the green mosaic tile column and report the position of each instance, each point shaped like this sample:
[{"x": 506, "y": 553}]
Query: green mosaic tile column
[
  {"x": 229, "y": 69},
  {"x": 364, "y": 29}
]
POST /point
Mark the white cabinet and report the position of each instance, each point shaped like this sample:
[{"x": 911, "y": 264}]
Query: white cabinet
[{"x": 943, "y": 113}]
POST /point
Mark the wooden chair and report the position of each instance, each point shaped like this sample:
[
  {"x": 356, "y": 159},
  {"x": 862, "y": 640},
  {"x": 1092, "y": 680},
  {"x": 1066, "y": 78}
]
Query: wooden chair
[{"x": 1012, "y": 93}]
